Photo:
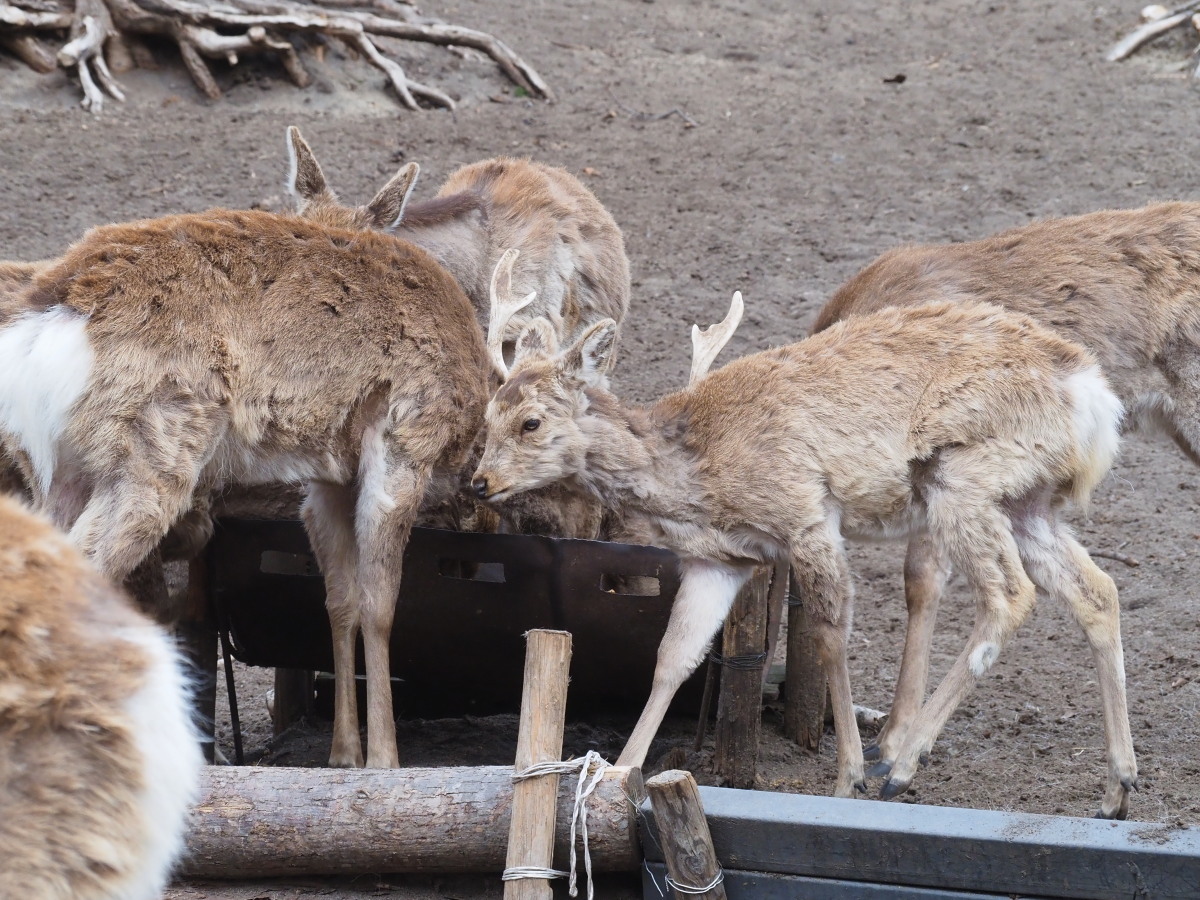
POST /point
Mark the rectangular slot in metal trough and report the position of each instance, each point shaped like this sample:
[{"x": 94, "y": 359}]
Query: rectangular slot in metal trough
[{"x": 465, "y": 601}]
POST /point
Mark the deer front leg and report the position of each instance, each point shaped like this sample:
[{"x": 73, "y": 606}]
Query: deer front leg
[
  {"x": 819, "y": 564},
  {"x": 390, "y": 489},
  {"x": 706, "y": 594},
  {"x": 328, "y": 515},
  {"x": 926, "y": 571}
]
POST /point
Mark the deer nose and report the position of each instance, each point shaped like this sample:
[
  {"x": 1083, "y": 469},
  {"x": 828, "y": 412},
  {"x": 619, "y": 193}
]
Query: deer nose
[{"x": 481, "y": 487}]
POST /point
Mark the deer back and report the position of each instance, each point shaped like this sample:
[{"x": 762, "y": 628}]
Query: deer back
[
  {"x": 1123, "y": 283},
  {"x": 572, "y": 252},
  {"x": 289, "y": 333}
]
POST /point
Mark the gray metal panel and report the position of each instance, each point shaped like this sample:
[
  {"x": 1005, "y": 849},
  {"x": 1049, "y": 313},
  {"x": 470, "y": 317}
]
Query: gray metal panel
[
  {"x": 769, "y": 886},
  {"x": 952, "y": 849}
]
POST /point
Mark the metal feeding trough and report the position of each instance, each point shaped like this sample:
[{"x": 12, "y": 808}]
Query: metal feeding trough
[{"x": 466, "y": 601}]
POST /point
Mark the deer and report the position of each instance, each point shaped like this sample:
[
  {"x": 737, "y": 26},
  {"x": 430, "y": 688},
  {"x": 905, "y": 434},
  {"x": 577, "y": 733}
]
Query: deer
[
  {"x": 99, "y": 759},
  {"x": 158, "y": 360},
  {"x": 537, "y": 227},
  {"x": 783, "y": 453},
  {"x": 1122, "y": 283}
]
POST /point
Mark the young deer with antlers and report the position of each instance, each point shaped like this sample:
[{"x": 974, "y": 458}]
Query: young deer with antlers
[
  {"x": 99, "y": 761},
  {"x": 1123, "y": 283},
  {"x": 781, "y": 453},
  {"x": 160, "y": 359}
]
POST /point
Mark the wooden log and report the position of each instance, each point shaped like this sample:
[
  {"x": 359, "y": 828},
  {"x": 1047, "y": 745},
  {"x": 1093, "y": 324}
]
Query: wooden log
[
  {"x": 805, "y": 685},
  {"x": 687, "y": 846},
  {"x": 293, "y": 698},
  {"x": 259, "y": 822},
  {"x": 197, "y": 630},
  {"x": 739, "y": 706},
  {"x": 539, "y": 740}
]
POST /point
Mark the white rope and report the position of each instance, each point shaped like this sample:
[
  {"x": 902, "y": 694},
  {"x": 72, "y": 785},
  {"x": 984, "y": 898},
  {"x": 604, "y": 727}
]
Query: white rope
[
  {"x": 688, "y": 889},
  {"x": 591, "y": 768},
  {"x": 683, "y": 888}
]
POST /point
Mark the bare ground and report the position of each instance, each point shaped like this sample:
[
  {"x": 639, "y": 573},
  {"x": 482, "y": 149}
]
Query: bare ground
[{"x": 811, "y": 155}]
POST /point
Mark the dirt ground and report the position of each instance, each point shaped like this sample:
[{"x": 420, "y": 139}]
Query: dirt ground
[{"x": 825, "y": 133}]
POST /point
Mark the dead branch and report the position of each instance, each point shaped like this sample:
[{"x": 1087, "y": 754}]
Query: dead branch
[
  {"x": 226, "y": 28},
  {"x": 1152, "y": 29},
  {"x": 1118, "y": 557}
]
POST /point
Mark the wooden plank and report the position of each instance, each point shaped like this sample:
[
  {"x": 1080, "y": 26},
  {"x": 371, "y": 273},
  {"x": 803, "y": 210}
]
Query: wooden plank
[
  {"x": 253, "y": 822},
  {"x": 539, "y": 740},
  {"x": 948, "y": 848},
  {"x": 683, "y": 832},
  {"x": 769, "y": 886},
  {"x": 739, "y": 703}
]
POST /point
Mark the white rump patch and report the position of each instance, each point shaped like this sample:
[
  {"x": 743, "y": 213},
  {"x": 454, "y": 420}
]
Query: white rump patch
[
  {"x": 982, "y": 657},
  {"x": 45, "y": 364},
  {"x": 1096, "y": 414},
  {"x": 160, "y": 716}
]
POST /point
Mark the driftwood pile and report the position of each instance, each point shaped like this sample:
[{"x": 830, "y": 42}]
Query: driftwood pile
[{"x": 97, "y": 38}]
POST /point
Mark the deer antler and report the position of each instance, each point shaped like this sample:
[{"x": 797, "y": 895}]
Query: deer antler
[
  {"x": 504, "y": 307},
  {"x": 709, "y": 342}
]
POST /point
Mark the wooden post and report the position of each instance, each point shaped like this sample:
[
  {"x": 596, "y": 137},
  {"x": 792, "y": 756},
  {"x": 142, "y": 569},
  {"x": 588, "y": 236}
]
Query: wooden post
[
  {"x": 197, "y": 629},
  {"x": 683, "y": 831},
  {"x": 739, "y": 707},
  {"x": 805, "y": 684},
  {"x": 293, "y": 698},
  {"x": 539, "y": 740}
]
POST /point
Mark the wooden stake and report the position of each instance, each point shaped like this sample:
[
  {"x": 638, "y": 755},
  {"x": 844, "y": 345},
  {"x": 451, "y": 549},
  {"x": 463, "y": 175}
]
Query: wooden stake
[
  {"x": 539, "y": 739},
  {"x": 683, "y": 831},
  {"x": 197, "y": 630},
  {"x": 805, "y": 684},
  {"x": 739, "y": 707},
  {"x": 293, "y": 698}
]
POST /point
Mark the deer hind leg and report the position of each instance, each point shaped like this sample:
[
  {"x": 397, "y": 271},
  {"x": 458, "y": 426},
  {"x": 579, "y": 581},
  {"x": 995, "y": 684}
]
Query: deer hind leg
[
  {"x": 823, "y": 577},
  {"x": 1063, "y": 569},
  {"x": 926, "y": 571},
  {"x": 328, "y": 514},
  {"x": 391, "y": 486},
  {"x": 978, "y": 538},
  {"x": 706, "y": 594}
]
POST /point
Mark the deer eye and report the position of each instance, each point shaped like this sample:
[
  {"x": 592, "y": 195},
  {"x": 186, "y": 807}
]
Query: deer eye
[{"x": 531, "y": 424}]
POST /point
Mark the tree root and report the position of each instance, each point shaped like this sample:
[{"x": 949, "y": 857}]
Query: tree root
[
  {"x": 104, "y": 35},
  {"x": 1159, "y": 21}
]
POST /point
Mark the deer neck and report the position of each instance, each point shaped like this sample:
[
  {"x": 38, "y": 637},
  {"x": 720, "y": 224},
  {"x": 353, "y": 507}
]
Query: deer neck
[{"x": 633, "y": 461}]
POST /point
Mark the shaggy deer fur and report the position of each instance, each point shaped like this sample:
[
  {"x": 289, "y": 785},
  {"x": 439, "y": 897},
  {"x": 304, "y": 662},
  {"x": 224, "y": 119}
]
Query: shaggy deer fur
[
  {"x": 571, "y": 259},
  {"x": 779, "y": 454},
  {"x": 99, "y": 761},
  {"x": 1123, "y": 283},
  {"x": 165, "y": 357}
]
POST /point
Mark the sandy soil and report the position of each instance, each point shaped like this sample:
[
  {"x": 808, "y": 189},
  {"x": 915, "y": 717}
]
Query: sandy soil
[{"x": 826, "y": 133}]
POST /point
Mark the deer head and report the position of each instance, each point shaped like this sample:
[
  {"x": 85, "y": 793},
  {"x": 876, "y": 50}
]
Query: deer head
[
  {"x": 316, "y": 201},
  {"x": 535, "y": 421}
]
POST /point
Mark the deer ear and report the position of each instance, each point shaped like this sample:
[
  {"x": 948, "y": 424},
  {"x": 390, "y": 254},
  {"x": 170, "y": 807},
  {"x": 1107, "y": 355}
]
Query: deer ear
[
  {"x": 536, "y": 339},
  {"x": 306, "y": 181},
  {"x": 387, "y": 209},
  {"x": 591, "y": 355}
]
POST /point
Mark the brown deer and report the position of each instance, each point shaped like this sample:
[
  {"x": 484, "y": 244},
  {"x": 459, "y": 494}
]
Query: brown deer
[
  {"x": 781, "y": 453},
  {"x": 160, "y": 359},
  {"x": 99, "y": 760},
  {"x": 1123, "y": 283},
  {"x": 534, "y": 225}
]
